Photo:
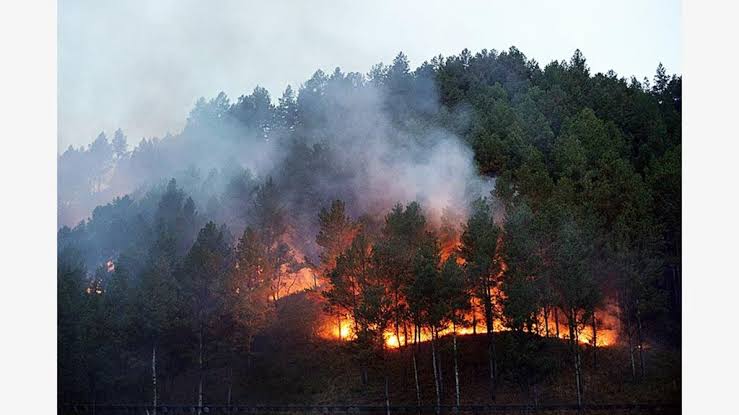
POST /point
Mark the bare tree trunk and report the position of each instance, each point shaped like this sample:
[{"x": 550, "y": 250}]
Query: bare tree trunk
[
  {"x": 405, "y": 334},
  {"x": 230, "y": 387},
  {"x": 556, "y": 321},
  {"x": 438, "y": 363},
  {"x": 387, "y": 392},
  {"x": 578, "y": 373},
  {"x": 403, "y": 354},
  {"x": 436, "y": 374},
  {"x": 397, "y": 334},
  {"x": 631, "y": 349},
  {"x": 546, "y": 321},
  {"x": 456, "y": 364},
  {"x": 415, "y": 366},
  {"x": 474, "y": 317},
  {"x": 154, "y": 376},
  {"x": 491, "y": 344},
  {"x": 200, "y": 370},
  {"x": 338, "y": 321},
  {"x": 575, "y": 354},
  {"x": 595, "y": 342}
]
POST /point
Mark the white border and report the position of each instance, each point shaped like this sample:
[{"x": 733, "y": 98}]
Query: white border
[
  {"x": 28, "y": 206},
  {"x": 710, "y": 248}
]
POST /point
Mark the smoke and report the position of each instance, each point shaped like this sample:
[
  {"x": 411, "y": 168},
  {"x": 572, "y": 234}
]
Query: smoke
[
  {"x": 350, "y": 139},
  {"x": 393, "y": 165}
]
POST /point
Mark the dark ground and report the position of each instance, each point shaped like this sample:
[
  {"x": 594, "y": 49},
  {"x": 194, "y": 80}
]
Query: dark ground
[{"x": 292, "y": 365}]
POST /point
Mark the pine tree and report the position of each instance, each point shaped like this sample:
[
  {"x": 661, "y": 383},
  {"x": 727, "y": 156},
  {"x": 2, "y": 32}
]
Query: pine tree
[
  {"x": 480, "y": 239},
  {"x": 203, "y": 277}
]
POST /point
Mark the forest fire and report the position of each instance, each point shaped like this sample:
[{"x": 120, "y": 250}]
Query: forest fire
[
  {"x": 606, "y": 328},
  {"x": 606, "y": 332},
  {"x": 600, "y": 329},
  {"x": 274, "y": 249}
]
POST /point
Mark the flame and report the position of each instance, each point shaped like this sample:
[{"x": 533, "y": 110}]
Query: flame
[
  {"x": 392, "y": 341},
  {"x": 293, "y": 282},
  {"x": 335, "y": 328},
  {"x": 345, "y": 331},
  {"x": 332, "y": 330},
  {"x": 606, "y": 328},
  {"x": 451, "y": 247}
]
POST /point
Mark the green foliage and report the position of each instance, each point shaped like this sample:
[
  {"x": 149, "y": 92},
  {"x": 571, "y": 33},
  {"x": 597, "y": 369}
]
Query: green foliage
[
  {"x": 525, "y": 280},
  {"x": 393, "y": 255},
  {"x": 336, "y": 232},
  {"x": 480, "y": 238}
]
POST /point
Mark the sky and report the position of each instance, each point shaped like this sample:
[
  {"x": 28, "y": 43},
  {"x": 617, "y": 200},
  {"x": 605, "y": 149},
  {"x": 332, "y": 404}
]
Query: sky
[{"x": 140, "y": 65}]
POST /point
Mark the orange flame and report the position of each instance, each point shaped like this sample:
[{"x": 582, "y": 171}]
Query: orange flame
[{"x": 606, "y": 329}]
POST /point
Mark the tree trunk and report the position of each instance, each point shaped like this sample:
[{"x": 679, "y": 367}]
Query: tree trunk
[
  {"x": 404, "y": 355},
  {"x": 384, "y": 369},
  {"x": 575, "y": 354},
  {"x": 595, "y": 342},
  {"x": 546, "y": 321},
  {"x": 230, "y": 387},
  {"x": 438, "y": 363},
  {"x": 338, "y": 319},
  {"x": 200, "y": 370},
  {"x": 397, "y": 334},
  {"x": 436, "y": 374},
  {"x": 631, "y": 350},
  {"x": 154, "y": 376},
  {"x": 415, "y": 367},
  {"x": 491, "y": 344},
  {"x": 415, "y": 373},
  {"x": 474, "y": 317},
  {"x": 456, "y": 364},
  {"x": 405, "y": 334},
  {"x": 556, "y": 322}
]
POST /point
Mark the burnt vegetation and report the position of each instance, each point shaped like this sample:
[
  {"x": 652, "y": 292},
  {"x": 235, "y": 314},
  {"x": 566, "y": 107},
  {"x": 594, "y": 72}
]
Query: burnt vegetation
[{"x": 477, "y": 230}]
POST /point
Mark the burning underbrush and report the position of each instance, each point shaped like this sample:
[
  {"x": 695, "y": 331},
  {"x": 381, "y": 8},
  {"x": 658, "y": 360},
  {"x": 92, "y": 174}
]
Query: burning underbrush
[
  {"x": 307, "y": 286},
  {"x": 606, "y": 334}
]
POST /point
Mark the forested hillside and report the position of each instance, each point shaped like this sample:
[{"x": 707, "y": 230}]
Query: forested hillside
[{"x": 470, "y": 230}]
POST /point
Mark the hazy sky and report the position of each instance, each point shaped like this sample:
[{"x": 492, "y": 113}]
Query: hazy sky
[{"x": 141, "y": 65}]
